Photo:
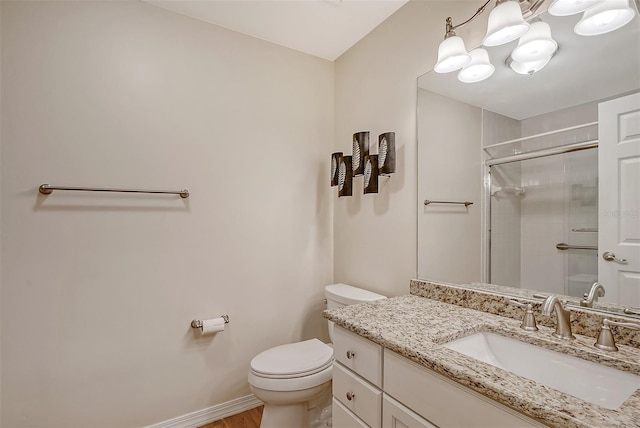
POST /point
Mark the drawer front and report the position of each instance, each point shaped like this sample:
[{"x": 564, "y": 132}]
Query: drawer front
[
  {"x": 357, "y": 395},
  {"x": 358, "y": 354},
  {"x": 440, "y": 400},
  {"x": 395, "y": 415},
  {"x": 343, "y": 418}
]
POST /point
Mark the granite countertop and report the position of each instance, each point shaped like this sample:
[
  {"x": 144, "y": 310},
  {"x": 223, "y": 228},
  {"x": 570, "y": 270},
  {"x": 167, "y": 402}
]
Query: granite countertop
[{"x": 416, "y": 327}]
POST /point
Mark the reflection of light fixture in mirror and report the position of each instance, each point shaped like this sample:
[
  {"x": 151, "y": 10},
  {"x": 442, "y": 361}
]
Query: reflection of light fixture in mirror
[
  {"x": 530, "y": 67},
  {"x": 536, "y": 44},
  {"x": 452, "y": 54},
  {"x": 605, "y": 17},
  {"x": 570, "y": 7},
  {"x": 505, "y": 23},
  {"x": 478, "y": 69}
]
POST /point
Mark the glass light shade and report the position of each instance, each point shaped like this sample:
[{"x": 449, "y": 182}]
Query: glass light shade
[
  {"x": 505, "y": 24},
  {"x": 536, "y": 44},
  {"x": 452, "y": 55},
  {"x": 570, "y": 7},
  {"x": 478, "y": 69},
  {"x": 605, "y": 17},
  {"x": 530, "y": 67}
]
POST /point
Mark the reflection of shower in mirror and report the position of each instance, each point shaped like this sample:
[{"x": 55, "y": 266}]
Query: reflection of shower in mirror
[{"x": 518, "y": 191}]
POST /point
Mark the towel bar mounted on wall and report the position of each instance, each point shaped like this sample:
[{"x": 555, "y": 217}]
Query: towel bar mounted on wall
[
  {"x": 465, "y": 203},
  {"x": 47, "y": 189},
  {"x": 562, "y": 246}
]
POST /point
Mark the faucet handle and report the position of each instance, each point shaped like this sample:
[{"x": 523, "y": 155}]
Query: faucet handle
[
  {"x": 529, "y": 320},
  {"x": 605, "y": 339}
]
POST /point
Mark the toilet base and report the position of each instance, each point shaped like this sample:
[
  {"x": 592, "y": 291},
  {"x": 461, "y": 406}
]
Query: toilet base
[{"x": 279, "y": 412}]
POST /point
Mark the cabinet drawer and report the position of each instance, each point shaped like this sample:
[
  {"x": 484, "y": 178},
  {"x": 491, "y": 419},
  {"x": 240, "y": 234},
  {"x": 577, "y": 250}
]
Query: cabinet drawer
[
  {"x": 395, "y": 415},
  {"x": 357, "y": 395},
  {"x": 343, "y": 418},
  {"x": 358, "y": 354},
  {"x": 440, "y": 400}
]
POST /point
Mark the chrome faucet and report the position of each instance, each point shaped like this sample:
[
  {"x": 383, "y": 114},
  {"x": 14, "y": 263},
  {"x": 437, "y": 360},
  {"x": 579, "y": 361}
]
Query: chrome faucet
[
  {"x": 563, "y": 317},
  {"x": 597, "y": 290}
]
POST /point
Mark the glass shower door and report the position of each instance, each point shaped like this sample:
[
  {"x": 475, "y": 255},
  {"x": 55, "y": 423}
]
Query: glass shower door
[{"x": 535, "y": 205}]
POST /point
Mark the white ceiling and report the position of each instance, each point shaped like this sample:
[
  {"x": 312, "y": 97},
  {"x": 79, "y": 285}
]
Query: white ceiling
[{"x": 323, "y": 28}]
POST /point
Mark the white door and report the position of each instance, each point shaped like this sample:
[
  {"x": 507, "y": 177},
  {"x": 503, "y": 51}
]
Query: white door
[{"x": 619, "y": 200}]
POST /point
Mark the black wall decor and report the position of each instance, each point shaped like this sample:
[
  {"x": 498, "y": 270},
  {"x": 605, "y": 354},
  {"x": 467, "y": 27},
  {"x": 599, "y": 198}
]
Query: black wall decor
[
  {"x": 335, "y": 160},
  {"x": 360, "y": 150},
  {"x": 387, "y": 153},
  {"x": 345, "y": 176},
  {"x": 344, "y": 168},
  {"x": 371, "y": 174}
]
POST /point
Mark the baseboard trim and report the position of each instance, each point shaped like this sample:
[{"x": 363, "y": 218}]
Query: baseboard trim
[{"x": 210, "y": 414}]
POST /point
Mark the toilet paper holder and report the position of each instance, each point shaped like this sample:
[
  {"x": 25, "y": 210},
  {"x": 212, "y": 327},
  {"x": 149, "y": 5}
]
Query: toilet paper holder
[{"x": 198, "y": 323}]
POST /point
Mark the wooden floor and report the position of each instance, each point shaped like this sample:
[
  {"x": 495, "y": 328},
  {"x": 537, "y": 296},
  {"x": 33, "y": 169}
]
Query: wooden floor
[{"x": 249, "y": 419}]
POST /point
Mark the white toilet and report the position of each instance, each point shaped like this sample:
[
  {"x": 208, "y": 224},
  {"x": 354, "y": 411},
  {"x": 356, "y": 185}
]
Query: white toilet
[{"x": 293, "y": 378}]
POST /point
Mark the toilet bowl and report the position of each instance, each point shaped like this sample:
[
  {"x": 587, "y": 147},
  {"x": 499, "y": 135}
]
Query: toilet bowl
[{"x": 291, "y": 379}]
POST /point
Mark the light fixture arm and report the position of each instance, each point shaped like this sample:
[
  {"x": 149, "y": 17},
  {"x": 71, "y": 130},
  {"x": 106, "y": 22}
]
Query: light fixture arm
[
  {"x": 530, "y": 8},
  {"x": 449, "y": 23}
]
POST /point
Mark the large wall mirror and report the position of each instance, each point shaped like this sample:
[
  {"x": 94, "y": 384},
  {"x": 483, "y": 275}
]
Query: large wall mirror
[{"x": 540, "y": 157}]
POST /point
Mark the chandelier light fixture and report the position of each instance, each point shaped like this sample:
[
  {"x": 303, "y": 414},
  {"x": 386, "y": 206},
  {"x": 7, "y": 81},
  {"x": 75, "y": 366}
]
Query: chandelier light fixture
[
  {"x": 452, "y": 54},
  {"x": 505, "y": 23},
  {"x": 570, "y": 7},
  {"x": 536, "y": 46},
  {"x": 478, "y": 69},
  {"x": 604, "y": 17}
]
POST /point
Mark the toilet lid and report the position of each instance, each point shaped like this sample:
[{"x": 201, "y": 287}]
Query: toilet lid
[{"x": 293, "y": 359}]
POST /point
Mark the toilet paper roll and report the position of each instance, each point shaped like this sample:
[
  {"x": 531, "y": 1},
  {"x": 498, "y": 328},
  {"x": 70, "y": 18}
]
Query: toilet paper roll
[{"x": 213, "y": 325}]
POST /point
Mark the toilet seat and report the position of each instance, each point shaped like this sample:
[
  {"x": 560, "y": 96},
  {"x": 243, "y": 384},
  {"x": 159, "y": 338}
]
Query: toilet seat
[{"x": 292, "y": 367}]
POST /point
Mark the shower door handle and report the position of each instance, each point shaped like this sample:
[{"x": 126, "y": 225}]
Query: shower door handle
[{"x": 610, "y": 257}]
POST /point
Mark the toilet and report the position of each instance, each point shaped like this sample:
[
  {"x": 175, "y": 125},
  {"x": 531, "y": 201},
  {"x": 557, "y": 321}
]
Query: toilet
[{"x": 294, "y": 378}]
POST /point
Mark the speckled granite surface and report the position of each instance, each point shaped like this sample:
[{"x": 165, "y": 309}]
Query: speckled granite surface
[
  {"x": 415, "y": 327},
  {"x": 493, "y": 299}
]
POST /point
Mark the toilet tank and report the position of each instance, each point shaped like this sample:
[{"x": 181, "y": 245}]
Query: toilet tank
[{"x": 339, "y": 295}]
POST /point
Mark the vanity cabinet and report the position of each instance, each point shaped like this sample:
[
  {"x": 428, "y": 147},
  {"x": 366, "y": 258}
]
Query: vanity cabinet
[
  {"x": 357, "y": 380},
  {"x": 375, "y": 387},
  {"x": 443, "y": 401}
]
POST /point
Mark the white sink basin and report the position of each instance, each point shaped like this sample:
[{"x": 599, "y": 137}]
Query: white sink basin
[{"x": 592, "y": 382}]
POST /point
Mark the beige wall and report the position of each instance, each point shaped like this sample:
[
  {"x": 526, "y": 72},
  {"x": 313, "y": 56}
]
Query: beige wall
[
  {"x": 376, "y": 235},
  {"x": 98, "y": 290}
]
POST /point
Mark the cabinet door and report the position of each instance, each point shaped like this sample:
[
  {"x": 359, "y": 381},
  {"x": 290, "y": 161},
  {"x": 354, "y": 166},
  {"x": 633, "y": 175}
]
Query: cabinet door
[
  {"x": 395, "y": 415},
  {"x": 343, "y": 418}
]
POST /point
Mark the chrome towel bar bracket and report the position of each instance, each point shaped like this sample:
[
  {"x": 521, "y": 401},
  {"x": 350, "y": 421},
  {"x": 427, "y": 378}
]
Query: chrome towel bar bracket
[{"x": 47, "y": 189}]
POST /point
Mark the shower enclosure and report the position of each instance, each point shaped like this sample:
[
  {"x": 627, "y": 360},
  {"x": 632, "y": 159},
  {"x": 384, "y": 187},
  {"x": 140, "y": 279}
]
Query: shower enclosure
[{"x": 542, "y": 211}]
